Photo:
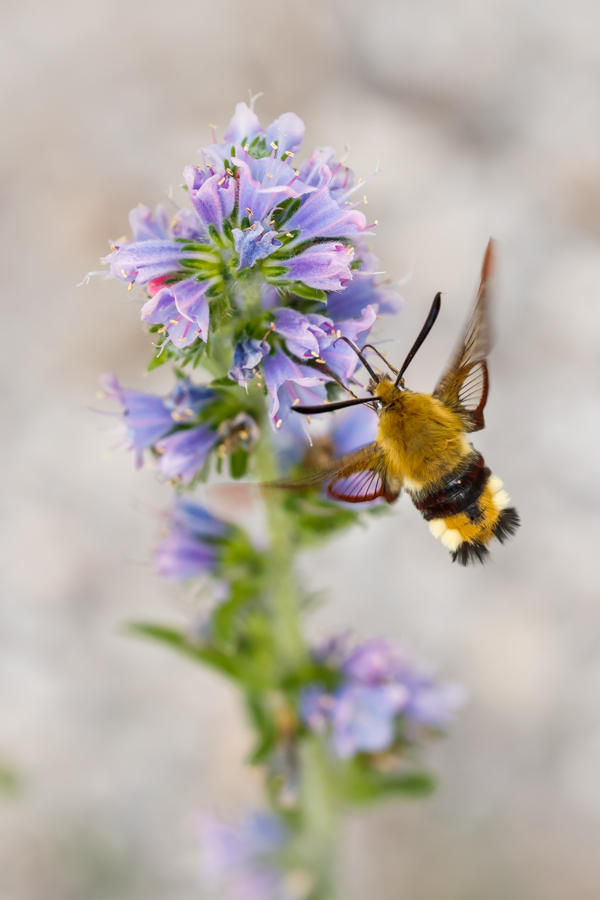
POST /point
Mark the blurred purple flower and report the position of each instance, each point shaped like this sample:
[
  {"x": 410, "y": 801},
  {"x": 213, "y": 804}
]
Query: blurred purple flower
[
  {"x": 363, "y": 718},
  {"x": 184, "y": 552},
  {"x": 353, "y": 428},
  {"x": 382, "y": 694},
  {"x": 239, "y": 858}
]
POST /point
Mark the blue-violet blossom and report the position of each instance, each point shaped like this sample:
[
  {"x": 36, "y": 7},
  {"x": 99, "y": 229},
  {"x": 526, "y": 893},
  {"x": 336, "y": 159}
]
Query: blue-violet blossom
[
  {"x": 382, "y": 696},
  {"x": 190, "y": 546}
]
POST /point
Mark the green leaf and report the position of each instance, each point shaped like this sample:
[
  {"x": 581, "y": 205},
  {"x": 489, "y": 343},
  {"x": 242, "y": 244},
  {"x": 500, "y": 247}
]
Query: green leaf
[
  {"x": 222, "y": 382},
  {"x": 360, "y": 783},
  {"x": 175, "y": 639}
]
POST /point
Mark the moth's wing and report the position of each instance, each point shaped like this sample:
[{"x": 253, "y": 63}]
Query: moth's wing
[
  {"x": 355, "y": 478},
  {"x": 465, "y": 383},
  {"x": 364, "y": 477}
]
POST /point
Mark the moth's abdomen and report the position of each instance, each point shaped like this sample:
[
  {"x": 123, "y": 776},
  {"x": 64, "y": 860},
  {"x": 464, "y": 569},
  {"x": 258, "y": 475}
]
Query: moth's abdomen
[{"x": 468, "y": 511}]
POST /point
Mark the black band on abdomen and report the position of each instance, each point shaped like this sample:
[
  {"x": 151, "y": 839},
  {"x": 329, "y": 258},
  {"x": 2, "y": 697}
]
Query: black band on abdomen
[{"x": 462, "y": 491}]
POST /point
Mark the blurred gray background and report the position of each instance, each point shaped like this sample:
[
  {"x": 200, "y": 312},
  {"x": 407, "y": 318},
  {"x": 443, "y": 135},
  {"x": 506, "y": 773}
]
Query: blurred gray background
[{"x": 486, "y": 118}]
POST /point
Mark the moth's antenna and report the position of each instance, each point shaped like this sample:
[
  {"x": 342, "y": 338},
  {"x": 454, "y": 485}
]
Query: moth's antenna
[
  {"x": 360, "y": 356},
  {"x": 429, "y": 323},
  {"x": 380, "y": 355}
]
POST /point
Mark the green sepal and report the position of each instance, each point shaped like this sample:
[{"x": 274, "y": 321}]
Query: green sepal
[
  {"x": 159, "y": 360},
  {"x": 308, "y": 293},
  {"x": 217, "y": 237},
  {"x": 238, "y": 463}
]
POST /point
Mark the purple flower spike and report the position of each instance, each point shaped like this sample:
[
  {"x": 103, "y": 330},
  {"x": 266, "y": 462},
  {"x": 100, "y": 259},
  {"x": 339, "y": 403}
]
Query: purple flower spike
[
  {"x": 254, "y": 243},
  {"x": 183, "y": 310},
  {"x": 321, "y": 216},
  {"x": 184, "y": 453},
  {"x": 247, "y": 355},
  {"x": 288, "y": 383},
  {"x": 147, "y": 418}
]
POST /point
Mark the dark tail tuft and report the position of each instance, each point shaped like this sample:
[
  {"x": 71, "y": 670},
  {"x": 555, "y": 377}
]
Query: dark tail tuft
[
  {"x": 470, "y": 552},
  {"x": 507, "y": 524}
]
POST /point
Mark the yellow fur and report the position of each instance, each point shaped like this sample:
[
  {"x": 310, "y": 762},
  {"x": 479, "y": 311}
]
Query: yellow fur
[{"x": 424, "y": 442}]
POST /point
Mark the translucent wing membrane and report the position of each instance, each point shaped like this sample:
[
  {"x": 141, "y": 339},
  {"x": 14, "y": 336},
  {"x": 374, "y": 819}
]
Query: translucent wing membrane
[
  {"x": 465, "y": 383},
  {"x": 357, "y": 478},
  {"x": 358, "y": 487}
]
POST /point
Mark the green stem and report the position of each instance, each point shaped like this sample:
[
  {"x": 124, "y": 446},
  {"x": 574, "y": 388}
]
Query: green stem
[
  {"x": 319, "y": 810},
  {"x": 282, "y": 583}
]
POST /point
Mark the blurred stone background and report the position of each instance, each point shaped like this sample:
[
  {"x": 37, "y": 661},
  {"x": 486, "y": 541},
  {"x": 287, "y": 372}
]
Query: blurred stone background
[{"x": 486, "y": 118}]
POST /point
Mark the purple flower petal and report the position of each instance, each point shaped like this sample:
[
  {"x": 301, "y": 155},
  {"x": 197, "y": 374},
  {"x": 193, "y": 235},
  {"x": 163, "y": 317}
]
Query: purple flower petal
[
  {"x": 146, "y": 417},
  {"x": 180, "y": 556},
  {"x": 287, "y": 131},
  {"x": 342, "y": 178},
  {"x": 322, "y": 266},
  {"x": 254, "y": 243},
  {"x": 287, "y": 382},
  {"x": 184, "y": 453},
  {"x": 244, "y": 124},
  {"x": 373, "y": 662},
  {"x": 147, "y": 225},
  {"x": 257, "y": 199},
  {"x": 340, "y": 357},
  {"x": 197, "y": 520},
  {"x": 183, "y": 309},
  {"x": 214, "y": 199},
  {"x": 247, "y": 355},
  {"x": 301, "y": 335},
  {"x": 144, "y": 260},
  {"x": 188, "y": 226},
  {"x": 321, "y": 216},
  {"x": 363, "y": 719}
]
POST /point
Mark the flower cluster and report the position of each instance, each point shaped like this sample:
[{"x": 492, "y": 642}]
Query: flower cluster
[
  {"x": 169, "y": 426},
  {"x": 274, "y": 256},
  {"x": 383, "y": 701}
]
